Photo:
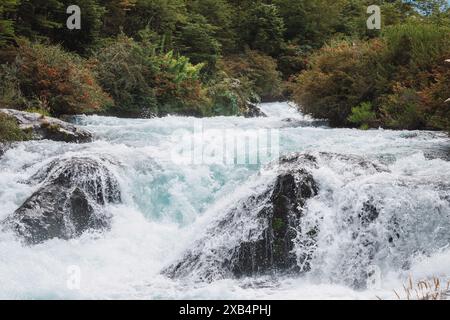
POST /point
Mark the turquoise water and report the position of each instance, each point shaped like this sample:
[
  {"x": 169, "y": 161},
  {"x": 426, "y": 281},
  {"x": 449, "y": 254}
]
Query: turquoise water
[{"x": 167, "y": 204}]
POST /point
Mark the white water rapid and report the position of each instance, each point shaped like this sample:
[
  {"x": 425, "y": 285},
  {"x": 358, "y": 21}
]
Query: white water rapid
[{"x": 166, "y": 205}]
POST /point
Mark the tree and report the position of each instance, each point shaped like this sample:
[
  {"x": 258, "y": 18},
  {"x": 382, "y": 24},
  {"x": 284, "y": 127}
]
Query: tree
[
  {"x": 218, "y": 13},
  {"x": 116, "y": 15},
  {"x": 126, "y": 72},
  {"x": 46, "y": 20},
  {"x": 196, "y": 40},
  {"x": 38, "y": 18},
  {"x": 309, "y": 22},
  {"x": 161, "y": 16},
  {"x": 91, "y": 21},
  {"x": 263, "y": 29},
  {"x": 7, "y": 8}
]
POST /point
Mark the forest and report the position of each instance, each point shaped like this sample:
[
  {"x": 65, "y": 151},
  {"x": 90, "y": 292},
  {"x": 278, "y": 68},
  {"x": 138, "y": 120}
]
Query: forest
[{"x": 145, "y": 58}]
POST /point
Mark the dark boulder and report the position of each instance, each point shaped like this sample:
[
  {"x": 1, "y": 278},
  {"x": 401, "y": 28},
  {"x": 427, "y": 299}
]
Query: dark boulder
[
  {"x": 274, "y": 251},
  {"x": 270, "y": 230},
  {"x": 259, "y": 232},
  {"x": 43, "y": 127},
  {"x": 69, "y": 201},
  {"x": 3, "y": 148},
  {"x": 253, "y": 111}
]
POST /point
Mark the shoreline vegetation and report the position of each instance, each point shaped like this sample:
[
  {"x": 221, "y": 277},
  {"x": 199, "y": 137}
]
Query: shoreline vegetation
[{"x": 147, "y": 58}]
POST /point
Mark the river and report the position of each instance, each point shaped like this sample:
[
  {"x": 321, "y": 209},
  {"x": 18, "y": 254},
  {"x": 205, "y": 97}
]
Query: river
[{"x": 170, "y": 195}]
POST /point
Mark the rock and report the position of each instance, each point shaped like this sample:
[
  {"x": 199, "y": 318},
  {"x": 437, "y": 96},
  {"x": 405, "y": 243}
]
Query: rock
[
  {"x": 42, "y": 127},
  {"x": 267, "y": 232},
  {"x": 296, "y": 123},
  {"x": 259, "y": 232},
  {"x": 274, "y": 250},
  {"x": 70, "y": 201},
  {"x": 253, "y": 111},
  {"x": 3, "y": 148}
]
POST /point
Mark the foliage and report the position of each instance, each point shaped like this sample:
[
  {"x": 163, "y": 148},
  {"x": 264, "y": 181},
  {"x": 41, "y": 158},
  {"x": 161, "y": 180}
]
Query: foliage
[
  {"x": 145, "y": 82},
  {"x": 125, "y": 70},
  {"x": 403, "y": 75},
  {"x": 10, "y": 131},
  {"x": 230, "y": 96},
  {"x": 82, "y": 40},
  {"x": 416, "y": 45},
  {"x": 209, "y": 57},
  {"x": 196, "y": 41},
  {"x": 436, "y": 111},
  {"x": 258, "y": 69},
  {"x": 161, "y": 16},
  {"x": 61, "y": 83},
  {"x": 401, "y": 109},
  {"x": 263, "y": 29},
  {"x": 363, "y": 115},
  {"x": 220, "y": 15},
  {"x": 341, "y": 77},
  {"x": 178, "y": 87},
  {"x": 7, "y": 7},
  {"x": 10, "y": 94}
]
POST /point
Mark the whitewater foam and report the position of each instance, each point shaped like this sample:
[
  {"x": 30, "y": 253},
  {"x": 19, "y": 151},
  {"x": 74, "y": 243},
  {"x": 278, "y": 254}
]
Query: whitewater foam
[{"x": 166, "y": 206}]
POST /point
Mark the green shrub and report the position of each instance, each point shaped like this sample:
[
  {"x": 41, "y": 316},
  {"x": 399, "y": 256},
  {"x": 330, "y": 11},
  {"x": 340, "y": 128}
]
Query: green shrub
[
  {"x": 178, "y": 87},
  {"x": 196, "y": 41},
  {"x": 126, "y": 71},
  {"x": 256, "y": 68},
  {"x": 229, "y": 96},
  {"x": 143, "y": 81},
  {"x": 6, "y": 23},
  {"x": 263, "y": 28},
  {"x": 434, "y": 95},
  {"x": 341, "y": 76},
  {"x": 402, "y": 75},
  {"x": 10, "y": 131},
  {"x": 10, "y": 94},
  {"x": 363, "y": 115},
  {"x": 57, "y": 81},
  {"x": 416, "y": 44},
  {"x": 401, "y": 109}
]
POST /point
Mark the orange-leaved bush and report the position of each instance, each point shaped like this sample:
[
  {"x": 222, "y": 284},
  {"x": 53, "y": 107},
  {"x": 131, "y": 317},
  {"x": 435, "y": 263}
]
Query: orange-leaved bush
[{"x": 58, "y": 81}]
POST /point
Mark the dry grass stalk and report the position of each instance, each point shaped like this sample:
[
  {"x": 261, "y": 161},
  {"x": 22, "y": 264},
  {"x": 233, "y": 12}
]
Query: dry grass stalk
[{"x": 428, "y": 289}]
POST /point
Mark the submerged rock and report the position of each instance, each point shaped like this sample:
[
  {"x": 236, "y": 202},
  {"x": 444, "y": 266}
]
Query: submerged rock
[
  {"x": 253, "y": 111},
  {"x": 43, "y": 127},
  {"x": 3, "y": 148},
  {"x": 69, "y": 202},
  {"x": 259, "y": 233}
]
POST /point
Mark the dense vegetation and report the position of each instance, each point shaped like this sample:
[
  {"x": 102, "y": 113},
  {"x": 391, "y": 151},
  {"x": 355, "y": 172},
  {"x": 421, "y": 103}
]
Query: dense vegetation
[
  {"x": 142, "y": 58},
  {"x": 10, "y": 131}
]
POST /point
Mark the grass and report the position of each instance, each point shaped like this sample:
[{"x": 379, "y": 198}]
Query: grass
[
  {"x": 428, "y": 289},
  {"x": 10, "y": 131}
]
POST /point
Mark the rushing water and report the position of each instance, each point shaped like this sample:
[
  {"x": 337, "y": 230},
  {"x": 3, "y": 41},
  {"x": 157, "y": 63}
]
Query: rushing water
[{"x": 168, "y": 204}]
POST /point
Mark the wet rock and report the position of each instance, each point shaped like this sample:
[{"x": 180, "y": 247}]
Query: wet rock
[
  {"x": 43, "y": 127},
  {"x": 69, "y": 201},
  {"x": 3, "y": 148},
  {"x": 270, "y": 230},
  {"x": 274, "y": 250},
  {"x": 253, "y": 111},
  {"x": 260, "y": 230}
]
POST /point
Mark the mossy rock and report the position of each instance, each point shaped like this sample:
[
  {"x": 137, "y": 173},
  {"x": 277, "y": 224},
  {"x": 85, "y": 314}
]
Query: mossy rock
[
  {"x": 25, "y": 126},
  {"x": 10, "y": 130}
]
